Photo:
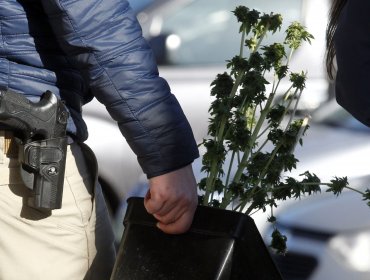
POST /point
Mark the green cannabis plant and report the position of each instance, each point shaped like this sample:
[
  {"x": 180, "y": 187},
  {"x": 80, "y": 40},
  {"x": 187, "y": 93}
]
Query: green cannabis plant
[{"x": 255, "y": 126}]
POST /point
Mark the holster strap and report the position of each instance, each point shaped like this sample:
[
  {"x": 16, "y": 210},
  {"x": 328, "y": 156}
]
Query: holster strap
[{"x": 34, "y": 156}]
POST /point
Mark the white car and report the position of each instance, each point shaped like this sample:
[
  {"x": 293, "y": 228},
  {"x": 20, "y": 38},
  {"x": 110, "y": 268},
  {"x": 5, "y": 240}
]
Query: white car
[
  {"x": 209, "y": 37},
  {"x": 329, "y": 236},
  {"x": 193, "y": 40}
]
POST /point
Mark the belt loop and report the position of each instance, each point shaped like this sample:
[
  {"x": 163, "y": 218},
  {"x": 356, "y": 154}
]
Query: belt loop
[
  {"x": 2, "y": 148},
  {"x": 10, "y": 146}
]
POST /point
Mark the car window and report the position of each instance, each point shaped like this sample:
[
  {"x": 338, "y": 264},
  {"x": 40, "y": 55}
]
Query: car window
[{"x": 205, "y": 33}]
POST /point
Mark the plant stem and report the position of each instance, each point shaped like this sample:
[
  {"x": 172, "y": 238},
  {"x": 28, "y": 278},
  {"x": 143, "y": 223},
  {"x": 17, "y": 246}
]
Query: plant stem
[
  {"x": 355, "y": 190},
  {"x": 242, "y": 43},
  {"x": 227, "y": 196},
  {"x": 254, "y": 136},
  {"x": 229, "y": 170},
  {"x": 220, "y": 135}
]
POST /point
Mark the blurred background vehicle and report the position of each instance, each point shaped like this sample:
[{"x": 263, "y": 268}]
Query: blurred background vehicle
[
  {"x": 329, "y": 236},
  {"x": 193, "y": 40}
]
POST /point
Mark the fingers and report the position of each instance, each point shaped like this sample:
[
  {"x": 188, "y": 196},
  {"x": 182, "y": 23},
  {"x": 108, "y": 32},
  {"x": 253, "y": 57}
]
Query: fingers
[
  {"x": 172, "y": 200},
  {"x": 173, "y": 217},
  {"x": 152, "y": 203},
  {"x": 157, "y": 205},
  {"x": 180, "y": 225}
]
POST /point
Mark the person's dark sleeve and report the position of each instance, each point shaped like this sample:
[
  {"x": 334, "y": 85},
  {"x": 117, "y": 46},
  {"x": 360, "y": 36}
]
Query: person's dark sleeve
[
  {"x": 352, "y": 44},
  {"x": 104, "y": 40}
]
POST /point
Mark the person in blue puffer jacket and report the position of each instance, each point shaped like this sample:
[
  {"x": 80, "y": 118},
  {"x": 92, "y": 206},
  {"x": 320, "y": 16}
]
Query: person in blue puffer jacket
[{"x": 82, "y": 50}]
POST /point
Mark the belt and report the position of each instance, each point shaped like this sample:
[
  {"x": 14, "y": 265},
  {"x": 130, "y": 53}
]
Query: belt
[{"x": 9, "y": 146}]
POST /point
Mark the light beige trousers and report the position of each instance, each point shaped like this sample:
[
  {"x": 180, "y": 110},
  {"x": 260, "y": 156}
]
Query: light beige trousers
[{"x": 75, "y": 242}]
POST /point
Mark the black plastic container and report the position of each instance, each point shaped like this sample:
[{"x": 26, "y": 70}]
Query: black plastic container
[{"x": 220, "y": 245}]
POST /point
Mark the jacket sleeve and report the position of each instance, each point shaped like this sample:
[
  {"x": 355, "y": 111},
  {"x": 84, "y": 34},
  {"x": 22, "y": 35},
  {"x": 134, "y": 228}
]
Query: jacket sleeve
[
  {"x": 352, "y": 44},
  {"x": 104, "y": 40}
]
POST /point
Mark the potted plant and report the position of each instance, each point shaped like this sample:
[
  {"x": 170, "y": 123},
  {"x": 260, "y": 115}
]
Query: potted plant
[{"x": 253, "y": 131}]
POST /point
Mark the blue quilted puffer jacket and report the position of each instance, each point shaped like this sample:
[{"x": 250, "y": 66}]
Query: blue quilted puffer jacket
[{"x": 81, "y": 49}]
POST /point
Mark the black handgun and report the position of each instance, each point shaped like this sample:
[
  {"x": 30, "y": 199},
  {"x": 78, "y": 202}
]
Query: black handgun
[{"x": 41, "y": 132}]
